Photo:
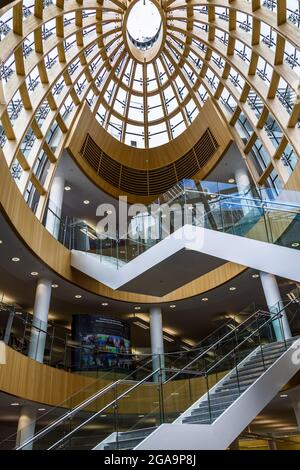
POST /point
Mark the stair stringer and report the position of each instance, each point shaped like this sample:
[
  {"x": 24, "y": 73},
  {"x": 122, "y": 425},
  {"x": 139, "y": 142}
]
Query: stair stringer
[{"x": 229, "y": 425}]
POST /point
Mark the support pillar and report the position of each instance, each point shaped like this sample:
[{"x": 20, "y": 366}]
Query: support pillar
[
  {"x": 157, "y": 341},
  {"x": 8, "y": 326},
  {"x": 55, "y": 206},
  {"x": 26, "y": 426},
  {"x": 275, "y": 304},
  {"x": 40, "y": 320},
  {"x": 243, "y": 186}
]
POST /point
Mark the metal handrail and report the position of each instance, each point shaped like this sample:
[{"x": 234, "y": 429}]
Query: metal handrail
[
  {"x": 260, "y": 312},
  {"x": 98, "y": 394},
  {"x": 79, "y": 407},
  {"x": 106, "y": 407},
  {"x": 161, "y": 370},
  {"x": 158, "y": 370}
]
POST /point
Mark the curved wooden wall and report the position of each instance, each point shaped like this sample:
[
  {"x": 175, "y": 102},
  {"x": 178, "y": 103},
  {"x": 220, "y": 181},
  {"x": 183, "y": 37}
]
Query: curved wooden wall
[{"x": 144, "y": 174}]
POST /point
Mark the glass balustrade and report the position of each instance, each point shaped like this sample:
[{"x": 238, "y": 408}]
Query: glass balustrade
[
  {"x": 257, "y": 214},
  {"x": 162, "y": 395}
]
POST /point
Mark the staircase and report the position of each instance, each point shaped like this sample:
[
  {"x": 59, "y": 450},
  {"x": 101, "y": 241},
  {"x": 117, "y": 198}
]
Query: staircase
[
  {"x": 128, "y": 414},
  {"x": 213, "y": 404},
  {"x": 230, "y": 389},
  {"x": 221, "y": 415}
]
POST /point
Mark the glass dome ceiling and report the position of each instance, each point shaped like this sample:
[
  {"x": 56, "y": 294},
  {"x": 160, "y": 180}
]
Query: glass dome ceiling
[{"x": 150, "y": 94}]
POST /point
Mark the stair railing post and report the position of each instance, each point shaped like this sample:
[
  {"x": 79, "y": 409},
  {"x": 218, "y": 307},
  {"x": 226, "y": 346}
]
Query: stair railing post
[
  {"x": 236, "y": 371},
  {"x": 161, "y": 392},
  {"x": 236, "y": 359},
  {"x": 280, "y": 308},
  {"x": 260, "y": 343},
  {"x": 208, "y": 394},
  {"x": 115, "y": 414}
]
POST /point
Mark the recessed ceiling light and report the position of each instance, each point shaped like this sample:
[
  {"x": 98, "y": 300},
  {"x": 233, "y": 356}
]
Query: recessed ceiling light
[
  {"x": 54, "y": 286},
  {"x": 205, "y": 299},
  {"x": 41, "y": 409},
  {"x": 68, "y": 188},
  {"x": 232, "y": 288},
  {"x": 34, "y": 273},
  {"x": 78, "y": 296},
  {"x": 15, "y": 260},
  {"x": 231, "y": 180},
  {"x": 86, "y": 202},
  {"x": 104, "y": 304},
  {"x": 284, "y": 395},
  {"x": 137, "y": 308},
  {"x": 108, "y": 212},
  {"x": 1, "y": 242},
  {"x": 255, "y": 276},
  {"x": 141, "y": 416},
  {"x": 173, "y": 306},
  {"x": 295, "y": 245},
  {"x": 15, "y": 404}
]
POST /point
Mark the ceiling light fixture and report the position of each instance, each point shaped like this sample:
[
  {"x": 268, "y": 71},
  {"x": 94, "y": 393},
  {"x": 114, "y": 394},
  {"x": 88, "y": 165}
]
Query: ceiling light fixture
[
  {"x": 141, "y": 325},
  {"x": 167, "y": 338},
  {"x": 86, "y": 202},
  {"x": 255, "y": 276},
  {"x": 109, "y": 212},
  {"x": 41, "y": 409},
  {"x": 78, "y": 296},
  {"x": 295, "y": 245},
  {"x": 284, "y": 395},
  {"x": 104, "y": 304},
  {"x": 34, "y": 273},
  {"x": 231, "y": 180},
  {"x": 205, "y": 299},
  {"x": 15, "y": 259},
  {"x": 1, "y": 242},
  {"x": 15, "y": 404},
  {"x": 173, "y": 306},
  {"x": 68, "y": 188},
  {"x": 232, "y": 288},
  {"x": 54, "y": 286},
  {"x": 137, "y": 308}
]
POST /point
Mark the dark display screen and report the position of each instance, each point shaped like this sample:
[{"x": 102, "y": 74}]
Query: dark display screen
[{"x": 104, "y": 343}]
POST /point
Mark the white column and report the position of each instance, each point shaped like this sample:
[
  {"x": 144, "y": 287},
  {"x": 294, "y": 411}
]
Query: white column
[
  {"x": 26, "y": 426},
  {"x": 274, "y": 302},
  {"x": 157, "y": 341},
  {"x": 40, "y": 320},
  {"x": 55, "y": 205},
  {"x": 243, "y": 185}
]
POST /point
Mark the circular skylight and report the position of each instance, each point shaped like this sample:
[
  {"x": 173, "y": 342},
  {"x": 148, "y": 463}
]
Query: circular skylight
[{"x": 143, "y": 21}]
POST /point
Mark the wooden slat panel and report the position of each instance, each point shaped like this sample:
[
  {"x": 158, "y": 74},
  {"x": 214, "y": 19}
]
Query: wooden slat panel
[{"x": 153, "y": 181}]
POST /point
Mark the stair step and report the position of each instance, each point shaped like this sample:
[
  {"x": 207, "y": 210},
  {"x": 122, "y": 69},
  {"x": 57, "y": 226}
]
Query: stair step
[
  {"x": 136, "y": 433},
  {"x": 206, "y": 406},
  {"x": 122, "y": 445},
  {"x": 127, "y": 440},
  {"x": 211, "y": 409}
]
